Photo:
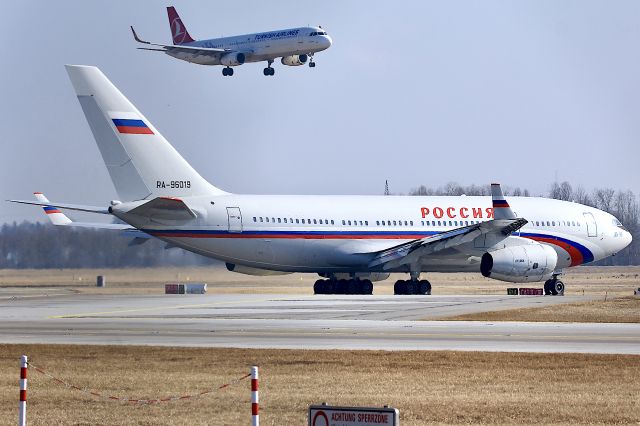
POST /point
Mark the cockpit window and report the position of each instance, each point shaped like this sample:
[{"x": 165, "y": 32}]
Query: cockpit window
[
  {"x": 617, "y": 223},
  {"x": 318, "y": 33}
]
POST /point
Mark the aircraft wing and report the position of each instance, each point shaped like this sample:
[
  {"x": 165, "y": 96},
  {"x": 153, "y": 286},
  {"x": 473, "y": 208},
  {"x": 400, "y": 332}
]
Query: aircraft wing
[
  {"x": 192, "y": 50},
  {"x": 413, "y": 250},
  {"x": 504, "y": 223}
]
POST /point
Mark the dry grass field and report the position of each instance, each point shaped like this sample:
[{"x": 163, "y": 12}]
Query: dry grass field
[
  {"x": 614, "y": 281},
  {"x": 427, "y": 387},
  {"x": 620, "y": 309}
]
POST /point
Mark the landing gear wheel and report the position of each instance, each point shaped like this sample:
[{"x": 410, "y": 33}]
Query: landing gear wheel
[
  {"x": 412, "y": 287},
  {"x": 319, "y": 287},
  {"x": 400, "y": 287},
  {"x": 227, "y": 71},
  {"x": 366, "y": 286},
  {"x": 424, "y": 287},
  {"x": 269, "y": 71},
  {"x": 352, "y": 287},
  {"x": 558, "y": 288},
  {"x": 547, "y": 288},
  {"x": 312, "y": 64},
  {"x": 341, "y": 287}
]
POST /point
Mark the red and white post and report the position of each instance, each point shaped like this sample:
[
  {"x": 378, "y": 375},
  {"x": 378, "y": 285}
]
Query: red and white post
[
  {"x": 255, "y": 417},
  {"x": 22, "y": 416}
]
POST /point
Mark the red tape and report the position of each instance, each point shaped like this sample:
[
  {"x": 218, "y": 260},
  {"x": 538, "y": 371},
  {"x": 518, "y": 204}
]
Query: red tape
[{"x": 128, "y": 400}]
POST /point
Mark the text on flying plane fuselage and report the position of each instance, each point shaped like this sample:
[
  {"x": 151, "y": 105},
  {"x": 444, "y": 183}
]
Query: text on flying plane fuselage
[{"x": 455, "y": 212}]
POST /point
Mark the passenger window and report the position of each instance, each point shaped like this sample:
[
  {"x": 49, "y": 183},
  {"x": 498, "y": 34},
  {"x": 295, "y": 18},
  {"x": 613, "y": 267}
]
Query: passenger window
[
  {"x": 553, "y": 223},
  {"x": 349, "y": 222},
  {"x": 548, "y": 223},
  {"x": 332, "y": 221},
  {"x": 255, "y": 219},
  {"x": 377, "y": 222},
  {"x": 411, "y": 222},
  {"x": 273, "y": 219},
  {"x": 285, "y": 220},
  {"x": 279, "y": 220},
  {"x": 297, "y": 220},
  {"x": 303, "y": 221},
  {"x": 360, "y": 223},
  {"x": 366, "y": 222},
  {"x": 438, "y": 223},
  {"x": 314, "y": 222},
  {"x": 267, "y": 219}
]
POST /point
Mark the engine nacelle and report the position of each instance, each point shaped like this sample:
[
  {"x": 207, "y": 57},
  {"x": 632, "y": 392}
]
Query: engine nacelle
[
  {"x": 520, "y": 264},
  {"x": 248, "y": 270},
  {"x": 294, "y": 60},
  {"x": 232, "y": 59}
]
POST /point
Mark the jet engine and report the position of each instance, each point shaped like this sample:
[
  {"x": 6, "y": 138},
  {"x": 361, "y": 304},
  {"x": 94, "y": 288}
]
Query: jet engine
[
  {"x": 520, "y": 264},
  {"x": 232, "y": 59},
  {"x": 294, "y": 60}
]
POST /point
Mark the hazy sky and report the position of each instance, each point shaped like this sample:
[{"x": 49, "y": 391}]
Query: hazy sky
[{"x": 416, "y": 92}]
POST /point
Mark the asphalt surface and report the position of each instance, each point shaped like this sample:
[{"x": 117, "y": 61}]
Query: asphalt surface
[{"x": 298, "y": 322}]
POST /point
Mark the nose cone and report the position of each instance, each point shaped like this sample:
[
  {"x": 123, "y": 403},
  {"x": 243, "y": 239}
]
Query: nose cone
[
  {"x": 326, "y": 42},
  {"x": 626, "y": 238}
]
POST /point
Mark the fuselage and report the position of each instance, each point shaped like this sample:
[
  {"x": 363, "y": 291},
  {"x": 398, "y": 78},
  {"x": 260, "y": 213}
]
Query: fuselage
[
  {"x": 263, "y": 46},
  {"x": 328, "y": 234}
]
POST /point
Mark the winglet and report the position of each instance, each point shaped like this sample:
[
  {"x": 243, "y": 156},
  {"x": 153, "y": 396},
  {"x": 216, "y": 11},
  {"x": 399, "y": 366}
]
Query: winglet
[
  {"x": 55, "y": 216},
  {"x": 501, "y": 208},
  {"x": 138, "y": 39}
]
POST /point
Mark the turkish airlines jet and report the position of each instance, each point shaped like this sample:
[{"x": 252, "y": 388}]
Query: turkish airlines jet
[
  {"x": 295, "y": 46},
  {"x": 350, "y": 241}
]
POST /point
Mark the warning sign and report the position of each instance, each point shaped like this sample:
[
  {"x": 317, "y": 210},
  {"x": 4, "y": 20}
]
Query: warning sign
[{"x": 325, "y": 415}]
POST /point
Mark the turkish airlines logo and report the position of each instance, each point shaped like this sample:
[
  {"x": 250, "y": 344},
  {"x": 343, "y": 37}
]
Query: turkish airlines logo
[{"x": 179, "y": 34}]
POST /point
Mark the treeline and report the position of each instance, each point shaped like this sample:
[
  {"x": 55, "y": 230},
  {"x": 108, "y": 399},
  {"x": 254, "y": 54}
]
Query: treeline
[
  {"x": 622, "y": 204},
  {"x": 37, "y": 245}
]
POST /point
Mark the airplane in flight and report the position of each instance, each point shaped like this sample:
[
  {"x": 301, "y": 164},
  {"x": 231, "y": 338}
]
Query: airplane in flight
[
  {"x": 295, "y": 46},
  {"x": 349, "y": 241}
]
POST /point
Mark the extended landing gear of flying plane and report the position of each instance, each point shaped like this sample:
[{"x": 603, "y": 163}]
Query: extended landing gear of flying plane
[
  {"x": 554, "y": 287},
  {"x": 227, "y": 72},
  {"x": 353, "y": 286},
  {"x": 412, "y": 287},
  {"x": 311, "y": 63},
  {"x": 269, "y": 70}
]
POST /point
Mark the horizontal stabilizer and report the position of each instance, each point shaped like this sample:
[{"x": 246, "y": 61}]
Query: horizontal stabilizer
[
  {"x": 76, "y": 207},
  {"x": 167, "y": 208}
]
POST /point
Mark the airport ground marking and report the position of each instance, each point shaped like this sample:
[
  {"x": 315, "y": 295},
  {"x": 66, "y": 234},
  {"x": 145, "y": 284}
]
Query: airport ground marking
[{"x": 120, "y": 311}]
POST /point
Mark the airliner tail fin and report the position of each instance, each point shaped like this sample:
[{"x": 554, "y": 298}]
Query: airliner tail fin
[
  {"x": 141, "y": 162},
  {"x": 178, "y": 30}
]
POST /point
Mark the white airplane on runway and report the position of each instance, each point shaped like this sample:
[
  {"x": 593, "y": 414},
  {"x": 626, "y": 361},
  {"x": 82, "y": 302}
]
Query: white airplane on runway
[
  {"x": 349, "y": 240},
  {"x": 294, "y": 46}
]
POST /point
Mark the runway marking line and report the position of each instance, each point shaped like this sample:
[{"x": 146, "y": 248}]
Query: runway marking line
[{"x": 202, "y": 305}]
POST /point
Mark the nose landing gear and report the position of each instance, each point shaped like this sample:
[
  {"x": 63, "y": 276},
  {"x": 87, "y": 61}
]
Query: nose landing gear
[
  {"x": 554, "y": 287},
  {"x": 269, "y": 70}
]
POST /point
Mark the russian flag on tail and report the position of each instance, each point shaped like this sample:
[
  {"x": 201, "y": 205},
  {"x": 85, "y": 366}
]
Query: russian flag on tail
[{"x": 132, "y": 126}]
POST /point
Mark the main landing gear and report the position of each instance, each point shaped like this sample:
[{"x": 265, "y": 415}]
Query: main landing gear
[
  {"x": 269, "y": 70},
  {"x": 227, "y": 72},
  {"x": 554, "y": 287},
  {"x": 412, "y": 287},
  {"x": 352, "y": 286}
]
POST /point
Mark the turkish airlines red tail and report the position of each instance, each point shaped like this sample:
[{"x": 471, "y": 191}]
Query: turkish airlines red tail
[{"x": 178, "y": 30}]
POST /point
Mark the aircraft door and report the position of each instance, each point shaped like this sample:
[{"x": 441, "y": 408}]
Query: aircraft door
[
  {"x": 235, "y": 219},
  {"x": 592, "y": 226}
]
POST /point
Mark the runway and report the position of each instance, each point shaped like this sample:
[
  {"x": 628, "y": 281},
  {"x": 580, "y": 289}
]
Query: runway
[{"x": 300, "y": 322}]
